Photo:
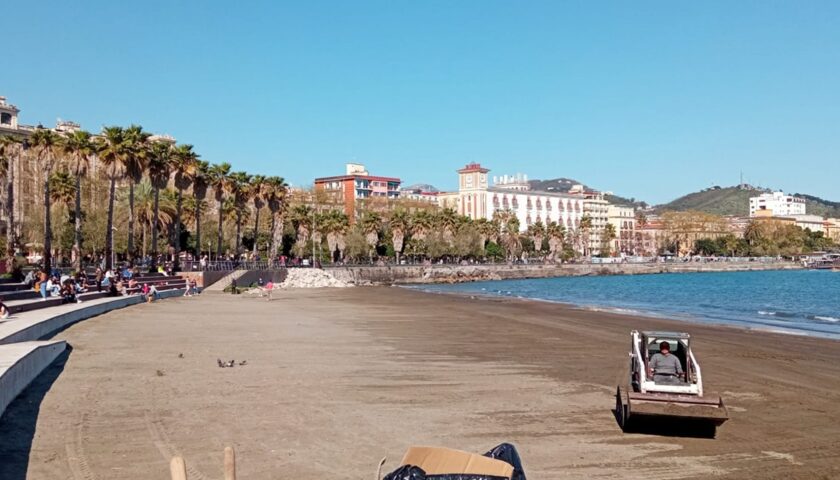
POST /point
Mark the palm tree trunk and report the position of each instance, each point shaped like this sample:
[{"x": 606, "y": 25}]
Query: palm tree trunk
[
  {"x": 197, "y": 229},
  {"x": 143, "y": 228},
  {"x": 131, "y": 221},
  {"x": 10, "y": 219},
  {"x": 178, "y": 207},
  {"x": 219, "y": 238},
  {"x": 272, "y": 244},
  {"x": 47, "y": 224},
  {"x": 77, "y": 240},
  {"x": 238, "y": 232},
  {"x": 256, "y": 229},
  {"x": 109, "y": 231},
  {"x": 155, "y": 221}
]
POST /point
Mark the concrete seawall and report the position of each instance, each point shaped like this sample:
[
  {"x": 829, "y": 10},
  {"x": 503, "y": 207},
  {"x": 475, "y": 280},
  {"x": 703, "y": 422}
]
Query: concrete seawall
[{"x": 405, "y": 274}]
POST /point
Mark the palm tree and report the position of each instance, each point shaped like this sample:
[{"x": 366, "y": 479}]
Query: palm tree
[
  {"x": 585, "y": 229},
  {"x": 219, "y": 180},
  {"x": 447, "y": 222},
  {"x": 369, "y": 225},
  {"x": 183, "y": 165},
  {"x": 159, "y": 169},
  {"x": 277, "y": 190},
  {"x": 240, "y": 191},
  {"x": 400, "y": 224},
  {"x": 45, "y": 145},
  {"x": 200, "y": 184},
  {"x": 302, "y": 221},
  {"x": 77, "y": 151},
  {"x": 11, "y": 150},
  {"x": 150, "y": 210},
  {"x": 112, "y": 148},
  {"x": 334, "y": 223},
  {"x": 537, "y": 232},
  {"x": 509, "y": 225},
  {"x": 556, "y": 234},
  {"x": 257, "y": 191},
  {"x": 421, "y": 224},
  {"x": 135, "y": 166},
  {"x": 62, "y": 193},
  {"x": 487, "y": 230}
]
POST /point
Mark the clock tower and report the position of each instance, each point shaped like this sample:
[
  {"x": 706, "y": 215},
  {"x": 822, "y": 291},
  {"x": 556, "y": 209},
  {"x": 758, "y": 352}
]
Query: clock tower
[{"x": 472, "y": 190}]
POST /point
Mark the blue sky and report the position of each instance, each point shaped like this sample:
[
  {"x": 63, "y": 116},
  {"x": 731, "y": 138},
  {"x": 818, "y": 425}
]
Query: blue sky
[{"x": 646, "y": 99}]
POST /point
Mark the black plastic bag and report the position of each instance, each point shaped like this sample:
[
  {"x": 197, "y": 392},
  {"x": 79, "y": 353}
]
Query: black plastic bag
[{"x": 507, "y": 453}]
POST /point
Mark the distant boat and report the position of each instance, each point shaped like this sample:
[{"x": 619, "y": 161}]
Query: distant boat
[{"x": 826, "y": 262}]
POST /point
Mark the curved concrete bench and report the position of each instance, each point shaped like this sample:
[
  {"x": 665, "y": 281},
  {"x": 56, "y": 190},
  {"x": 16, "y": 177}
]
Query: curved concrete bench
[
  {"x": 37, "y": 324},
  {"x": 21, "y": 363}
]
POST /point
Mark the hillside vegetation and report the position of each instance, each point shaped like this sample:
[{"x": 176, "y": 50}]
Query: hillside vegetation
[{"x": 736, "y": 201}]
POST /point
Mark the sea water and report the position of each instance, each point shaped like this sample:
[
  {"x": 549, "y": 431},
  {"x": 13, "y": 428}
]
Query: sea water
[{"x": 790, "y": 301}]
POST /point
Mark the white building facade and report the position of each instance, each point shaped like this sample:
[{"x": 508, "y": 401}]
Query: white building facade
[
  {"x": 776, "y": 204},
  {"x": 477, "y": 199}
]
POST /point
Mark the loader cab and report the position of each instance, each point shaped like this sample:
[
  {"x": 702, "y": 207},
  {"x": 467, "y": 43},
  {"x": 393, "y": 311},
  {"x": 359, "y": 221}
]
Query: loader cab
[{"x": 646, "y": 344}]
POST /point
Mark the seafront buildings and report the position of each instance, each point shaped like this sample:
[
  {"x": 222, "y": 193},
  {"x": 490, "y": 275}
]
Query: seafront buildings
[
  {"x": 356, "y": 185},
  {"x": 776, "y": 204}
]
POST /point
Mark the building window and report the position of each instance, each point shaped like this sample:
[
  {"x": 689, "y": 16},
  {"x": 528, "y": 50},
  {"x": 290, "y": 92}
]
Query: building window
[{"x": 6, "y": 118}]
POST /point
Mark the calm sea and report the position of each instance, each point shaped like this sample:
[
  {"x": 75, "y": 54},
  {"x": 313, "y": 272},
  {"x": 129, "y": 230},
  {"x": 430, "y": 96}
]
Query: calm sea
[{"x": 798, "y": 301}]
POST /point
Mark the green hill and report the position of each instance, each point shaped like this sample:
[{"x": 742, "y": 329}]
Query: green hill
[{"x": 736, "y": 201}]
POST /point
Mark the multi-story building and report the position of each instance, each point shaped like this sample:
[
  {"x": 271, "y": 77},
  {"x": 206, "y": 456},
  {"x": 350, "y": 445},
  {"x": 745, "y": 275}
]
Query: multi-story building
[
  {"x": 596, "y": 208},
  {"x": 477, "y": 199},
  {"x": 832, "y": 229},
  {"x": 777, "y": 204},
  {"x": 356, "y": 186},
  {"x": 651, "y": 237},
  {"x": 623, "y": 220},
  {"x": 420, "y": 193}
]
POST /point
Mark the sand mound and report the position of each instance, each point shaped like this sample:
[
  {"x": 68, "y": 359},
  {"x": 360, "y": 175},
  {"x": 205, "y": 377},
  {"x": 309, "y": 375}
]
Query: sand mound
[{"x": 312, "y": 278}]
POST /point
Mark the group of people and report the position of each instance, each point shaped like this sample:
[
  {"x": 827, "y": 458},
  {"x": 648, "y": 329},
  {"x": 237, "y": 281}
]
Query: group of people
[{"x": 54, "y": 284}]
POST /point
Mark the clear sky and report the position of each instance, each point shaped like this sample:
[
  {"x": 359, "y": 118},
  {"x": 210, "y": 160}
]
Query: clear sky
[{"x": 645, "y": 99}]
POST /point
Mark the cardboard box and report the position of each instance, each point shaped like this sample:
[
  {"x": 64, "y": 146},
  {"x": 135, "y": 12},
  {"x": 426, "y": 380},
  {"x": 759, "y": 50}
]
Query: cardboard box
[{"x": 441, "y": 461}]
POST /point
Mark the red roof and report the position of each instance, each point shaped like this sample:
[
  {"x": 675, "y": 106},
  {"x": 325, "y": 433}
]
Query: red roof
[
  {"x": 353, "y": 177},
  {"x": 473, "y": 167}
]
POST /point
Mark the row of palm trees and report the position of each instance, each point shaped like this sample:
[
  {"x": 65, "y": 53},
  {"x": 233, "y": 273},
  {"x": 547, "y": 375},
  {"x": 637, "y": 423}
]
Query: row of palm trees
[
  {"x": 130, "y": 155},
  {"x": 422, "y": 227}
]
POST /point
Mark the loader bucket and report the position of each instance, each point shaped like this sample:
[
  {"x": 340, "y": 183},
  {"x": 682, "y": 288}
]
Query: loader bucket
[{"x": 670, "y": 414}]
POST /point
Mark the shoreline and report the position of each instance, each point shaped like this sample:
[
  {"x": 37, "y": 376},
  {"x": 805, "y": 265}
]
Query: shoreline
[{"x": 686, "y": 319}]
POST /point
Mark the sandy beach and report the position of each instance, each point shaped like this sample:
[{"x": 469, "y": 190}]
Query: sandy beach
[{"x": 337, "y": 379}]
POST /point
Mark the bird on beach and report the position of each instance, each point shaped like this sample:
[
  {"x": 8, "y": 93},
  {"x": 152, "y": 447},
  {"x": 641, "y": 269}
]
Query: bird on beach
[
  {"x": 243, "y": 362},
  {"x": 180, "y": 355},
  {"x": 219, "y": 361},
  {"x": 230, "y": 363}
]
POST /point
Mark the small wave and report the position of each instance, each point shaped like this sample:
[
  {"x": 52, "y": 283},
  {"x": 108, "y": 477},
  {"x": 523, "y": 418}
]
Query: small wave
[
  {"x": 764, "y": 312},
  {"x": 776, "y": 314},
  {"x": 824, "y": 318}
]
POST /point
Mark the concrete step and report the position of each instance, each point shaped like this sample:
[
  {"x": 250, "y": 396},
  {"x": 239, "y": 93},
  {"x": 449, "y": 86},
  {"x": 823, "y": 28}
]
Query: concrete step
[{"x": 21, "y": 363}]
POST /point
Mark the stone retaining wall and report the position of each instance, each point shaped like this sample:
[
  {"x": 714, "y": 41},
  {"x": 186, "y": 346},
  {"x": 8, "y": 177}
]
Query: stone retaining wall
[{"x": 404, "y": 274}]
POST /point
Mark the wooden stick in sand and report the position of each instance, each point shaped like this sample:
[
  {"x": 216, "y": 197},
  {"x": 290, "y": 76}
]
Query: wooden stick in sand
[
  {"x": 230, "y": 464},
  {"x": 178, "y": 468}
]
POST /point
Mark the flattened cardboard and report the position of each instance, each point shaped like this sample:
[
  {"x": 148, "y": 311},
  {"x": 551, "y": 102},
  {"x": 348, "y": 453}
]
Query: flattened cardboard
[{"x": 441, "y": 461}]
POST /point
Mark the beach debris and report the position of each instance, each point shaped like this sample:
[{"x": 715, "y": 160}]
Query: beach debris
[
  {"x": 312, "y": 278},
  {"x": 180, "y": 355},
  {"x": 178, "y": 467},
  {"x": 160, "y": 373},
  {"x": 420, "y": 463}
]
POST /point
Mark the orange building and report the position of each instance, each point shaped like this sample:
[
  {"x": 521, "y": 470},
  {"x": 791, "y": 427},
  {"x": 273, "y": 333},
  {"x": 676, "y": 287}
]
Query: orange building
[{"x": 357, "y": 185}]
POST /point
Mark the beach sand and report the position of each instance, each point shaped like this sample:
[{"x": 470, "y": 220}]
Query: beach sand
[{"x": 337, "y": 379}]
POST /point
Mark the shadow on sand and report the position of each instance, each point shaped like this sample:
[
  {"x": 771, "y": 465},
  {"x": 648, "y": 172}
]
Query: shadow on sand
[
  {"x": 17, "y": 425},
  {"x": 665, "y": 426}
]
